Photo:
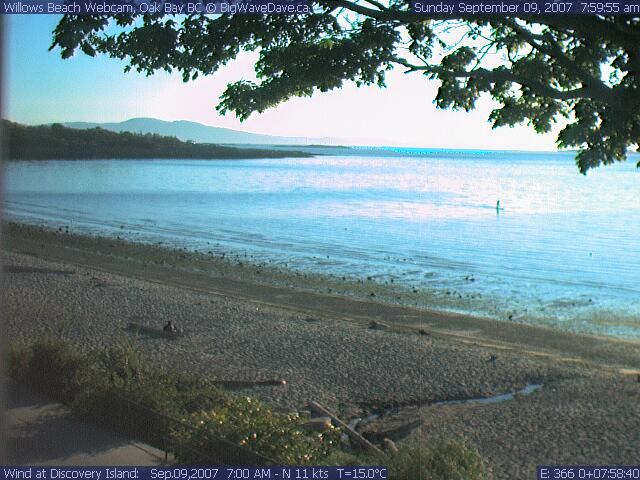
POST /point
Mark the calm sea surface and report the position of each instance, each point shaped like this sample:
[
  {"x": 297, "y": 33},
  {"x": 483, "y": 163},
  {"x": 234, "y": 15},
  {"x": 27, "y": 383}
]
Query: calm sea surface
[{"x": 564, "y": 251}]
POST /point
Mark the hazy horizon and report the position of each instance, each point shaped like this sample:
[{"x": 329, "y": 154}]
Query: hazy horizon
[{"x": 331, "y": 141}]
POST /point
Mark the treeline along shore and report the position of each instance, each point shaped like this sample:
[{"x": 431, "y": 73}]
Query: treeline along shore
[{"x": 56, "y": 142}]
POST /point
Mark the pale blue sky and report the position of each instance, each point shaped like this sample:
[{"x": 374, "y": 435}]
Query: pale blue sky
[{"x": 43, "y": 88}]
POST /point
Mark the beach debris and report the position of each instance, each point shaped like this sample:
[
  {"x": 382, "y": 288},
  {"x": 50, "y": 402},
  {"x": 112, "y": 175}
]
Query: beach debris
[
  {"x": 249, "y": 383},
  {"x": 395, "y": 433},
  {"x": 170, "y": 328},
  {"x": 389, "y": 446},
  {"x": 24, "y": 269},
  {"x": 492, "y": 359},
  {"x": 147, "y": 331},
  {"x": 373, "y": 325},
  {"x": 422, "y": 331},
  {"x": 354, "y": 436},
  {"x": 318, "y": 424}
]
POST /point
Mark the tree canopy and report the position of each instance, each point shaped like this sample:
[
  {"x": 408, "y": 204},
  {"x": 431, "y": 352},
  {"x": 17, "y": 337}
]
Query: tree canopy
[{"x": 581, "y": 69}]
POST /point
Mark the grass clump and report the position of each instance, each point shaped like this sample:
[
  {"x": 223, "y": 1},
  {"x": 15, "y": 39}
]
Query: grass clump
[
  {"x": 51, "y": 367},
  {"x": 247, "y": 422},
  {"x": 124, "y": 373},
  {"x": 446, "y": 460}
]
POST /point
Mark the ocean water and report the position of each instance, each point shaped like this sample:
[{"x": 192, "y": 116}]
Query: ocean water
[{"x": 564, "y": 250}]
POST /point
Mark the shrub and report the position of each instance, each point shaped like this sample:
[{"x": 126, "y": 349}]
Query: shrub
[
  {"x": 246, "y": 422},
  {"x": 446, "y": 460},
  {"x": 128, "y": 375},
  {"x": 51, "y": 367}
]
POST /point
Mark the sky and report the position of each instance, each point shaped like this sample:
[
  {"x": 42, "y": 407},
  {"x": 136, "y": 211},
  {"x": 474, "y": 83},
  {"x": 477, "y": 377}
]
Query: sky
[{"x": 43, "y": 88}]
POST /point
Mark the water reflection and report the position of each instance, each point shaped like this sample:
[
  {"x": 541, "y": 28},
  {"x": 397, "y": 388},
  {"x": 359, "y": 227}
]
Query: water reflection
[{"x": 425, "y": 221}]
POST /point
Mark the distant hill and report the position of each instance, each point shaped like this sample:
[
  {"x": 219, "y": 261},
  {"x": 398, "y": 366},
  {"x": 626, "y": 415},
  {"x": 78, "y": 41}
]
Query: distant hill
[
  {"x": 52, "y": 142},
  {"x": 198, "y": 132}
]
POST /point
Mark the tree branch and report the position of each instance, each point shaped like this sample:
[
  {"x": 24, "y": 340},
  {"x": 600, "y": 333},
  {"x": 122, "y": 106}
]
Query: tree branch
[
  {"x": 503, "y": 76},
  {"x": 597, "y": 86}
]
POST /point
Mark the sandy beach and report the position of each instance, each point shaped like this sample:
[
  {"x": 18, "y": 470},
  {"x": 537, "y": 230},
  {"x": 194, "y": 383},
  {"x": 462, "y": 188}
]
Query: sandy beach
[{"x": 244, "y": 323}]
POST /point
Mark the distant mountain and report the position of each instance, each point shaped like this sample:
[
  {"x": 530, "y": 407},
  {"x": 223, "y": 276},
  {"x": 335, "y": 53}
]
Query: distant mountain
[{"x": 198, "y": 132}]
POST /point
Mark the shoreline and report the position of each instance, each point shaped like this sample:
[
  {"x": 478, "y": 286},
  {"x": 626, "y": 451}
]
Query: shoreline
[
  {"x": 455, "y": 257},
  {"x": 88, "y": 290},
  {"x": 263, "y": 284}
]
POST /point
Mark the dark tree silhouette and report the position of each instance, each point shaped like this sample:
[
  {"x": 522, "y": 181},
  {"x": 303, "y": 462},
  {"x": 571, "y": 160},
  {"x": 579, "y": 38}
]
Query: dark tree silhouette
[
  {"x": 584, "y": 69},
  {"x": 58, "y": 142}
]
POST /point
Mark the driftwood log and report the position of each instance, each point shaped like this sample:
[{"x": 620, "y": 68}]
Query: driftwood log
[
  {"x": 151, "y": 331},
  {"x": 249, "y": 383},
  {"x": 395, "y": 434},
  {"x": 353, "y": 435}
]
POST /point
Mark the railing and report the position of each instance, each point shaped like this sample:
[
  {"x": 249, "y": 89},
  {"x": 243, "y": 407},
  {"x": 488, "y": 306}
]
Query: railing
[{"x": 154, "y": 428}]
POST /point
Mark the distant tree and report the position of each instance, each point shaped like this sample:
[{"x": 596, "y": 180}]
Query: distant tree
[
  {"x": 59, "y": 142},
  {"x": 539, "y": 69}
]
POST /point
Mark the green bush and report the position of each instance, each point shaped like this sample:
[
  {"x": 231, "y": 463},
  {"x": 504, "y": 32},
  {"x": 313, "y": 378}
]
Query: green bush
[
  {"x": 246, "y": 422},
  {"x": 51, "y": 367},
  {"x": 135, "y": 398},
  {"x": 128, "y": 375},
  {"x": 446, "y": 460}
]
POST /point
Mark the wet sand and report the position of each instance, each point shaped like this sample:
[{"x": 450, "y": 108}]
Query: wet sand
[{"x": 243, "y": 324}]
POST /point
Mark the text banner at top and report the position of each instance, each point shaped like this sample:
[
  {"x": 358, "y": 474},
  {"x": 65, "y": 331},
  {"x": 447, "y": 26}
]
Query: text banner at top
[
  {"x": 154, "y": 7},
  {"x": 428, "y": 8},
  {"x": 457, "y": 8}
]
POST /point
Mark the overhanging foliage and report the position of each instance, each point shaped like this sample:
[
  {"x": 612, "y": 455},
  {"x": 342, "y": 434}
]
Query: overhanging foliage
[{"x": 538, "y": 69}]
